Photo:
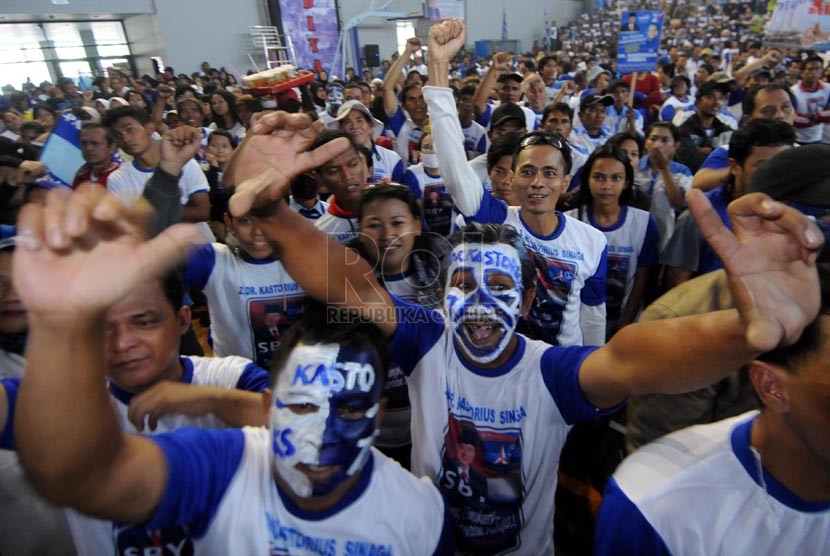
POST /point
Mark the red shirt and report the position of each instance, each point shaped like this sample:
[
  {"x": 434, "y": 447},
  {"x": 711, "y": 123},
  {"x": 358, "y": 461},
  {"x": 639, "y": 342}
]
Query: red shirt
[{"x": 85, "y": 174}]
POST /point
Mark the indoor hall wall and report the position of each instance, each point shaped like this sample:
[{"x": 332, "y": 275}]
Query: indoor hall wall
[
  {"x": 525, "y": 20},
  {"x": 46, "y": 7},
  {"x": 193, "y": 31}
]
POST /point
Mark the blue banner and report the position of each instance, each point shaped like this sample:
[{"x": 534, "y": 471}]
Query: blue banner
[
  {"x": 62, "y": 153},
  {"x": 639, "y": 42}
]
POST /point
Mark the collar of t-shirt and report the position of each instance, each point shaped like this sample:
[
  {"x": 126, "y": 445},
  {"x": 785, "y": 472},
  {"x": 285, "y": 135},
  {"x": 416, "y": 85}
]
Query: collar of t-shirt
[{"x": 336, "y": 210}]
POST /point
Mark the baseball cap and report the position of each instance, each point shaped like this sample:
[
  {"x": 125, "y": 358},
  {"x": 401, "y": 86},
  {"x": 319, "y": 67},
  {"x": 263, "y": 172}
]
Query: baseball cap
[
  {"x": 761, "y": 71},
  {"x": 344, "y": 111},
  {"x": 595, "y": 98},
  {"x": 619, "y": 83},
  {"x": 505, "y": 112},
  {"x": 710, "y": 86},
  {"x": 511, "y": 76}
]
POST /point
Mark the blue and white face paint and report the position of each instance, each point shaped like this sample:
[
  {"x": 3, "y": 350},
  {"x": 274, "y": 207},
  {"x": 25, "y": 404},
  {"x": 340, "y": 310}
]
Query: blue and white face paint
[
  {"x": 484, "y": 319},
  {"x": 323, "y": 418},
  {"x": 334, "y": 98}
]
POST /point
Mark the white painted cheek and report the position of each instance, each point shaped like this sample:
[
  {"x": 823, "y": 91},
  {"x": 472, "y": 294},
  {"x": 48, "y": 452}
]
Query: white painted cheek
[{"x": 300, "y": 438}]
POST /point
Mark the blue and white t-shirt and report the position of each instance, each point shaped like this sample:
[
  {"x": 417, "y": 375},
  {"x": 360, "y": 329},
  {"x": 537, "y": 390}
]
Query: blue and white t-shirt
[
  {"x": 475, "y": 138},
  {"x": 590, "y": 142},
  {"x": 221, "y": 486},
  {"x": 517, "y": 416},
  {"x": 703, "y": 490},
  {"x": 127, "y": 183},
  {"x": 95, "y": 536},
  {"x": 439, "y": 210},
  {"x": 404, "y": 134},
  {"x": 650, "y": 182},
  {"x": 339, "y": 228},
  {"x": 632, "y": 244},
  {"x": 617, "y": 122},
  {"x": 386, "y": 165},
  {"x": 570, "y": 266},
  {"x": 251, "y": 302}
]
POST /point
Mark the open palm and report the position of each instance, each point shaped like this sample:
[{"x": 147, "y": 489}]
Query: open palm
[
  {"x": 96, "y": 262},
  {"x": 770, "y": 263},
  {"x": 272, "y": 156}
]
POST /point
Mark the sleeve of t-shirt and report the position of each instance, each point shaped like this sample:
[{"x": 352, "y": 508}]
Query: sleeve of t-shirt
[
  {"x": 201, "y": 464},
  {"x": 398, "y": 171},
  {"x": 484, "y": 119},
  {"x": 593, "y": 292},
  {"x": 199, "y": 267},
  {"x": 650, "y": 253},
  {"x": 667, "y": 113},
  {"x": 560, "y": 372},
  {"x": 117, "y": 187},
  {"x": 395, "y": 123},
  {"x": 411, "y": 181},
  {"x": 717, "y": 160},
  {"x": 192, "y": 180},
  {"x": 11, "y": 386},
  {"x": 622, "y": 528},
  {"x": 417, "y": 331},
  {"x": 481, "y": 147},
  {"x": 492, "y": 210},
  {"x": 253, "y": 379}
]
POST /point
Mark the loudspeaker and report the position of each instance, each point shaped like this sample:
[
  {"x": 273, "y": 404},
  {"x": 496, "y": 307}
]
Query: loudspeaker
[{"x": 372, "y": 55}]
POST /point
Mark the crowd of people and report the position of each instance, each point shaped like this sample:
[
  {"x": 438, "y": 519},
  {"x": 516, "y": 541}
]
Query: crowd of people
[{"x": 416, "y": 311}]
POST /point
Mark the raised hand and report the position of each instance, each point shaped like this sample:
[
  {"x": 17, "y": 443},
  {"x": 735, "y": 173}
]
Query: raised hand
[
  {"x": 413, "y": 44},
  {"x": 273, "y": 153},
  {"x": 501, "y": 61},
  {"x": 770, "y": 263},
  {"x": 178, "y": 146},
  {"x": 82, "y": 251},
  {"x": 446, "y": 39}
]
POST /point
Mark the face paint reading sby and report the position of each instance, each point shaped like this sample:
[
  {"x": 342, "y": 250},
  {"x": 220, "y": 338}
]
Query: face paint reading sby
[
  {"x": 484, "y": 298},
  {"x": 323, "y": 421}
]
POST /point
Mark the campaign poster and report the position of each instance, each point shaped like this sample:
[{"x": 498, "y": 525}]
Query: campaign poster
[
  {"x": 481, "y": 479},
  {"x": 800, "y": 24},
  {"x": 639, "y": 41},
  {"x": 270, "y": 318},
  {"x": 445, "y": 9},
  {"x": 312, "y": 26}
]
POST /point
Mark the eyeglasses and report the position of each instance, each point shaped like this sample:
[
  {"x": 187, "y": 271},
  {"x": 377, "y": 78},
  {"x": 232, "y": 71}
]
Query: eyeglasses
[{"x": 535, "y": 139}]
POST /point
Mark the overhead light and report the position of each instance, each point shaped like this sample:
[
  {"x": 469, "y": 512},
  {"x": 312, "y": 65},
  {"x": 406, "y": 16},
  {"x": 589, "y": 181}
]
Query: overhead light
[{"x": 60, "y": 2}]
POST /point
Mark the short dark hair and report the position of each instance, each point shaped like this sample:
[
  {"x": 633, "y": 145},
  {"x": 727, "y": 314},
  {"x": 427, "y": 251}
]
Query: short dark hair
[
  {"x": 44, "y": 106},
  {"x": 467, "y": 90},
  {"x": 545, "y": 59},
  {"x": 107, "y": 133},
  {"x": 540, "y": 137},
  {"x": 675, "y": 133},
  {"x": 408, "y": 88},
  {"x": 222, "y": 133},
  {"x": 562, "y": 107},
  {"x": 329, "y": 135},
  {"x": 748, "y": 105},
  {"x": 112, "y": 115},
  {"x": 316, "y": 327},
  {"x": 505, "y": 145},
  {"x": 811, "y": 58},
  {"x": 624, "y": 136},
  {"x": 173, "y": 286},
  {"x": 760, "y": 132}
]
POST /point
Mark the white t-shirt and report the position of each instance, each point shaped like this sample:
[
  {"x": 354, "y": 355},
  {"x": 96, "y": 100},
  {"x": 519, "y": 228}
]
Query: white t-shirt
[
  {"x": 244, "y": 512},
  {"x": 95, "y": 536},
  {"x": 127, "y": 183},
  {"x": 650, "y": 182},
  {"x": 703, "y": 490},
  {"x": 339, "y": 228},
  {"x": 251, "y": 302},
  {"x": 517, "y": 416},
  {"x": 386, "y": 165}
]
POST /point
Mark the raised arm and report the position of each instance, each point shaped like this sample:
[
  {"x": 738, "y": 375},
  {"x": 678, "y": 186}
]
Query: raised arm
[
  {"x": 501, "y": 61},
  {"x": 263, "y": 167},
  {"x": 390, "y": 80},
  {"x": 77, "y": 257},
  {"x": 445, "y": 40},
  {"x": 770, "y": 261}
]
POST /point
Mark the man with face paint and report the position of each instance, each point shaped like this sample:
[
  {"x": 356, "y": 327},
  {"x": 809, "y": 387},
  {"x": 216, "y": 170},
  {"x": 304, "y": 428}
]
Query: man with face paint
[
  {"x": 310, "y": 483},
  {"x": 334, "y": 99},
  {"x": 468, "y": 366}
]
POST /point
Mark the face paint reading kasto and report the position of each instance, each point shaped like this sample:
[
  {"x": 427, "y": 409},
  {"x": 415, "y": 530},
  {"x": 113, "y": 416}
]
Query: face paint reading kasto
[
  {"x": 484, "y": 298},
  {"x": 323, "y": 419}
]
